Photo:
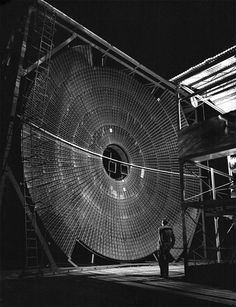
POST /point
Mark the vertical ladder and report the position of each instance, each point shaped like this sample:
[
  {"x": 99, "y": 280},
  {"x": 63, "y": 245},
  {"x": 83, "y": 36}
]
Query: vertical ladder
[
  {"x": 31, "y": 241},
  {"x": 47, "y": 30},
  {"x": 39, "y": 97}
]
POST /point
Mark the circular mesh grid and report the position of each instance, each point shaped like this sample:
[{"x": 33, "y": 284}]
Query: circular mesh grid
[{"x": 85, "y": 110}]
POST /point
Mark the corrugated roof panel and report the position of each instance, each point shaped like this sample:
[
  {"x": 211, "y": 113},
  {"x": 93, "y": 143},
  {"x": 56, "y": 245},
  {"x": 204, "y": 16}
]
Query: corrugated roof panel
[{"x": 222, "y": 94}]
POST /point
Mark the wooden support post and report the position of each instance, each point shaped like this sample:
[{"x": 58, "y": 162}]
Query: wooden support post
[
  {"x": 216, "y": 219},
  {"x": 185, "y": 243},
  {"x": 204, "y": 233},
  {"x": 92, "y": 259},
  {"x": 203, "y": 222},
  {"x": 181, "y": 174}
]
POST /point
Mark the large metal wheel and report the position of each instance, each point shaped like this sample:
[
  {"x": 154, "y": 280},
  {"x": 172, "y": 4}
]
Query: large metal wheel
[{"x": 88, "y": 115}]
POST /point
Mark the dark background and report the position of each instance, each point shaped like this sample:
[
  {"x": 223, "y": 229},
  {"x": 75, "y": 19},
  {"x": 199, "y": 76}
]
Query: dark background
[{"x": 167, "y": 37}]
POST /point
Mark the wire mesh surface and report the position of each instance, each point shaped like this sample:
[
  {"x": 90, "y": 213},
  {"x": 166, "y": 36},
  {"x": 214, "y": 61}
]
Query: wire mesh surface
[{"x": 86, "y": 110}]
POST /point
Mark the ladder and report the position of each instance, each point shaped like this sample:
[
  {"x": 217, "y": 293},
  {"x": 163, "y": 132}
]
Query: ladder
[
  {"x": 31, "y": 241},
  {"x": 46, "y": 30}
]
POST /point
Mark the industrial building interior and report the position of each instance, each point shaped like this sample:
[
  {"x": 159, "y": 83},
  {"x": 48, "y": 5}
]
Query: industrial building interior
[{"x": 114, "y": 116}]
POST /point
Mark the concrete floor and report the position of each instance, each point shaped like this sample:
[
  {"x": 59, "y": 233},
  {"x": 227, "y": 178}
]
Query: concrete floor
[{"x": 113, "y": 286}]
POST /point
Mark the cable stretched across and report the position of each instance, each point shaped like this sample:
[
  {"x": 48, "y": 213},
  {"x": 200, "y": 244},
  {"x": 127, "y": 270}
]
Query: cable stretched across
[{"x": 72, "y": 145}]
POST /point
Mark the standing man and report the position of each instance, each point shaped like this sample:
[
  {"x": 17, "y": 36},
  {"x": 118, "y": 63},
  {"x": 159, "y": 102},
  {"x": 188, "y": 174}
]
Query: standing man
[{"x": 166, "y": 241}]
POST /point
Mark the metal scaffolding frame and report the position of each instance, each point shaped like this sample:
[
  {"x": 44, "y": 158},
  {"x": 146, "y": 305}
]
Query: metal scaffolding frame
[
  {"x": 212, "y": 191},
  {"x": 32, "y": 230}
]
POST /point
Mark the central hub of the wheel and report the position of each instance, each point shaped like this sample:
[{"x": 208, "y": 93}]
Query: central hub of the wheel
[{"x": 117, "y": 170}]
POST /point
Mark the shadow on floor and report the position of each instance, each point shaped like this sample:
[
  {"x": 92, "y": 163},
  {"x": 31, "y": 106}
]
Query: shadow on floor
[{"x": 86, "y": 291}]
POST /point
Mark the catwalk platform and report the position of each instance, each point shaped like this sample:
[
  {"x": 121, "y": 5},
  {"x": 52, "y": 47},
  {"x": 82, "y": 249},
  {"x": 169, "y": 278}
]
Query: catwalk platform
[{"x": 113, "y": 285}]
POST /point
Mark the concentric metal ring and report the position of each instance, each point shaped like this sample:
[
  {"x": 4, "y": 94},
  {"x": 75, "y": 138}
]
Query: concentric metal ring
[{"x": 87, "y": 110}]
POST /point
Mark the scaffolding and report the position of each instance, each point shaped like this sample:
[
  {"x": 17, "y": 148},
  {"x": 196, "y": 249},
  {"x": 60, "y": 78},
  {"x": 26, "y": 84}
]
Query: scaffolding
[
  {"x": 215, "y": 202},
  {"x": 42, "y": 38}
]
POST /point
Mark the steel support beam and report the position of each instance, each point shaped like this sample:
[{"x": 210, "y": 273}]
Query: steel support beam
[
  {"x": 47, "y": 56},
  {"x": 205, "y": 167},
  {"x": 202, "y": 99},
  {"x": 14, "y": 105},
  {"x": 107, "y": 48}
]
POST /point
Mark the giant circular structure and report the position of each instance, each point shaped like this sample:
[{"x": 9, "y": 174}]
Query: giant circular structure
[{"x": 101, "y": 160}]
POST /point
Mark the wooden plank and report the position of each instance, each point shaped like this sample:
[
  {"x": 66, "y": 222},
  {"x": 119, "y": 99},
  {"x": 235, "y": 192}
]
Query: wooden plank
[
  {"x": 209, "y": 139},
  {"x": 214, "y": 207}
]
